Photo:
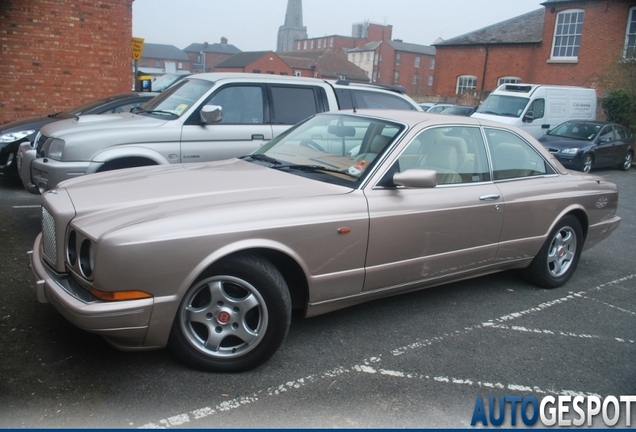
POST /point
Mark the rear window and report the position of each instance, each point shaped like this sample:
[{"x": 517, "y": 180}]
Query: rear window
[{"x": 293, "y": 104}]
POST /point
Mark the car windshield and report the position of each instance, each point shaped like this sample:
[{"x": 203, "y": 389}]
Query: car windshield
[
  {"x": 577, "y": 130},
  {"x": 177, "y": 99},
  {"x": 90, "y": 106},
  {"x": 335, "y": 148},
  {"x": 507, "y": 106},
  {"x": 165, "y": 81}
]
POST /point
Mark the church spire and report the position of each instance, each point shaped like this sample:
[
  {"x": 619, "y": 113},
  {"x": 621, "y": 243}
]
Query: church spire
[{"x": 293, "y": 28}]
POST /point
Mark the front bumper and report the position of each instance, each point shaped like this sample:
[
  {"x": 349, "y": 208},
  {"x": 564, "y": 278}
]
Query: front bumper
[
  {"x": 124, "y": 324},
  {"x": 47, "y": 173},
  {"x": 26, "y": 155},
  {"x": 570, "y": 161}
]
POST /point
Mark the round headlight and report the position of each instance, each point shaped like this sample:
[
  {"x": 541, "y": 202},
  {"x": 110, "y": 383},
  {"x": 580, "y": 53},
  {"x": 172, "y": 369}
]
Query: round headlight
[
  {"x": 86, "y": 258},
  {"x": 71, "y": 248}
]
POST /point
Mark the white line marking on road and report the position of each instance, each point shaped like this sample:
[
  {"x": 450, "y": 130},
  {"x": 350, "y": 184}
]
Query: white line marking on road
[
  {"x": 367, "y": 368},
  {"x": 26, "y": 206}
]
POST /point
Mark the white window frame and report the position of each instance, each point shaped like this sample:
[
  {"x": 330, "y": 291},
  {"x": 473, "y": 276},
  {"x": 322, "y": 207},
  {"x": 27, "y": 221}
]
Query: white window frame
[
  {"x": 508, "y": 80},
  {"x": 566, "y": 41},
  {"x": 418, "y": 61},
  {"x": 430, "y": 80},
  {"x": 416, "y": 79},
  {"x": 629, "y": 51},
  {"x": 432, "y": 64},
  {"x": 465, "y": 83}
]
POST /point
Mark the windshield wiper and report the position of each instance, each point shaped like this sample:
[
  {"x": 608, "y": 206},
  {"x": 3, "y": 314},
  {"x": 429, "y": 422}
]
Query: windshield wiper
[
  {"x": 261, "y": 157},
  {"x": 315, "y": 168},
  {"x": 138, "y": 109}
]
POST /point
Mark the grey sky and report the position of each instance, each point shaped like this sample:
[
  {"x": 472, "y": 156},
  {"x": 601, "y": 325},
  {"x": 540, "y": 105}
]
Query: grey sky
[{"x": 252, "y": 25}]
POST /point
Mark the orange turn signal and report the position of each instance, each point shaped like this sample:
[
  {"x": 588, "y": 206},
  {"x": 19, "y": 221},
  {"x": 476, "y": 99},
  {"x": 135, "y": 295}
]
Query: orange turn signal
[{"x": 120, "y": 295}]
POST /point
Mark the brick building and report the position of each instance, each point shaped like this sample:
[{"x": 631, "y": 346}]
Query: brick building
[
  {"x": 160, "y": 59},
  {"x": 566, "y": 42},
  {"x": 204, "y": 56},
  {"x": 323, "y": 64},
  {"x": 394, "y": 62},
  {"x": 62, "y": 54},
  {"x": 266, "y": 62}
]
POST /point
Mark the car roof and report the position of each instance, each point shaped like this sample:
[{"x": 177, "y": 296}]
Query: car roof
[{"x": 413, "y": 118}]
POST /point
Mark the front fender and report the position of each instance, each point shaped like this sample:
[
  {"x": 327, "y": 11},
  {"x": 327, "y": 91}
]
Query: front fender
[{"x": 124, "y": 152}]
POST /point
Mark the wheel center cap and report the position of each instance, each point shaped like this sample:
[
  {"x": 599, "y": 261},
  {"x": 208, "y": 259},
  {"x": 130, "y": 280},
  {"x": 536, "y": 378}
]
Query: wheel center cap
[
  {"x": 561, "y": 251},
  {"x": 223, "y": 317}
]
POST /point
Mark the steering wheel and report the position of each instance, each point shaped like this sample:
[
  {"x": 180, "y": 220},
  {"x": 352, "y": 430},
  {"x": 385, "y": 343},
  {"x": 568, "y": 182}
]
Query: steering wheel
[{"x": 312, "y": 145}]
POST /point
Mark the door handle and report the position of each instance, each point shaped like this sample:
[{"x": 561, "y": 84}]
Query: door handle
[
  {"x": 258, "y": 137},
  {"x": 489, "y": 197}
]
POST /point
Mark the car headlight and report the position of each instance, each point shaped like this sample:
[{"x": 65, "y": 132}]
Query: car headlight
[
  {"x": 53, "y": 148},
  {"x": 570, "y": 151},
  {"x": 15, "y": 136},
  {"x": 87, "y": 258}
]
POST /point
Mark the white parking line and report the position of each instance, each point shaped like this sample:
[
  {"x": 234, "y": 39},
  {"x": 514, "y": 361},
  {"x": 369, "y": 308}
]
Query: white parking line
[
  {"x": 369, "y": 366},
  {"x": 26, "y": 206}
]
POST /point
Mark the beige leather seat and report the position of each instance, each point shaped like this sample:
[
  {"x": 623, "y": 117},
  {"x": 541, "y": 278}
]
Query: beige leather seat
[
  {"x": 510, "y": 161},
  {"x": 443, "y": 159},
  {"x": 378, "y": 143}
]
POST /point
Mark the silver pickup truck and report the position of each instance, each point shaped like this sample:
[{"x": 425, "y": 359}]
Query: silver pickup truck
[{"x": 204, "y": 117}]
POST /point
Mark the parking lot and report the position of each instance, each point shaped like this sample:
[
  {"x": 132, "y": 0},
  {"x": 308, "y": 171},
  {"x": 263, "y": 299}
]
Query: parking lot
[{"x": 416, "y": 360}]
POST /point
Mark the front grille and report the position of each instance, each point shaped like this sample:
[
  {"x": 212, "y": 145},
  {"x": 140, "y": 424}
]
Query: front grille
[{"x": 49, "y": 241}]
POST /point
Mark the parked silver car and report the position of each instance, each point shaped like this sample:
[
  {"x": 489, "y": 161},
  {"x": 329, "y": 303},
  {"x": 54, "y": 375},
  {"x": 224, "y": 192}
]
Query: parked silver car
[
  {"x": 183, "y": 124},
  {"x": 209, "y": 259}
]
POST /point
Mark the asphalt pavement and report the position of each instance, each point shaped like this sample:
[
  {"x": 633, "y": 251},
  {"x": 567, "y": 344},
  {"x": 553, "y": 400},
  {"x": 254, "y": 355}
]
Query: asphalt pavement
[{"x": 417, "y": 360}]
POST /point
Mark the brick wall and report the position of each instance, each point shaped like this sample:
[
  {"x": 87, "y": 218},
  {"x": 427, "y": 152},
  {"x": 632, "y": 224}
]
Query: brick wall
[
  {"x": 58, "y": 54},
  {"x": 602, "y": 42}
]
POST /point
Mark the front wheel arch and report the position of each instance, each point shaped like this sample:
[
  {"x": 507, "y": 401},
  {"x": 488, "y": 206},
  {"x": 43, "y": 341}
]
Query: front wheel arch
[
  {"x": 558, "y": 258},
  {"x": 233, "y": 319},
  {"x": 126, "y": 162}
]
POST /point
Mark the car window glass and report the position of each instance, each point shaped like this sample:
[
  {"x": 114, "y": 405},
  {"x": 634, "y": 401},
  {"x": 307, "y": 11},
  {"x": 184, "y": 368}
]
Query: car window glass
[
  {"x": 293, "y": 104},
  {"x": 370, "y": 99},
  {"x": 124, "y": 108},
  {"x": 178, "y": 98},
  {"x": 239, "y": 104},
  {"x": 607, "y": 134},
  {"x": 621, "y": 132},
  {"x": 538, "y": 108},
  {"x": 457, "y": 153},
  {"x": 512, "y": 157}
]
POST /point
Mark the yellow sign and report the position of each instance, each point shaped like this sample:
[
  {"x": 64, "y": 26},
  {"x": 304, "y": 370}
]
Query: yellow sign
[{"x": 137, "y": 48}]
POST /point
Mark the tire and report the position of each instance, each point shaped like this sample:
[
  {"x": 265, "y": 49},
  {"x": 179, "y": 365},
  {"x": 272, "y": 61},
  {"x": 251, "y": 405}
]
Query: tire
[
  {"x": 556, "y": 261},
  {"x": 235, "y": 320},
  {"x": 586, "y": 164},
  {"x": 627, "y": 162}
]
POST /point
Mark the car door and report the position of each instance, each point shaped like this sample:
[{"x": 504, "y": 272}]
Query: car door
[
  {"x": 424, "y": 234},
  {"x": 605, "y": 147},
  {"x": 243, "y": 128},
  {"x": 525, "y": 181},
  {"x": 622, "y": 144}
]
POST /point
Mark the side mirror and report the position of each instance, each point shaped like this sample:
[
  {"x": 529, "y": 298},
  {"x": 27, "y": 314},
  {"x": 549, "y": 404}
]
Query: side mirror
[
  {"x": 211, "y": 114},
  {"x": 416, "y": 178},
  {"x": 529, "y": 117}
]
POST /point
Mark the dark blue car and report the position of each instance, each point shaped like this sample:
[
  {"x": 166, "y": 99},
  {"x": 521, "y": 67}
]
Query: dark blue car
[{"x": 581, "y": 145}]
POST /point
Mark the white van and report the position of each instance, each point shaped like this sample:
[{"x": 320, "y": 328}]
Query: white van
[{"x": 538, "y": 108}]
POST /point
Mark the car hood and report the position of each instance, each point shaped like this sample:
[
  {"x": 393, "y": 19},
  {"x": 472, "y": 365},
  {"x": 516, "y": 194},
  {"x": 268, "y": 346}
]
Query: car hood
[
  {"x": 563, "y": 143},
  {"x": 27, "y": 123},
  {"x": 107, "y": 201},
  {"x": 97, "y": 123}
]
